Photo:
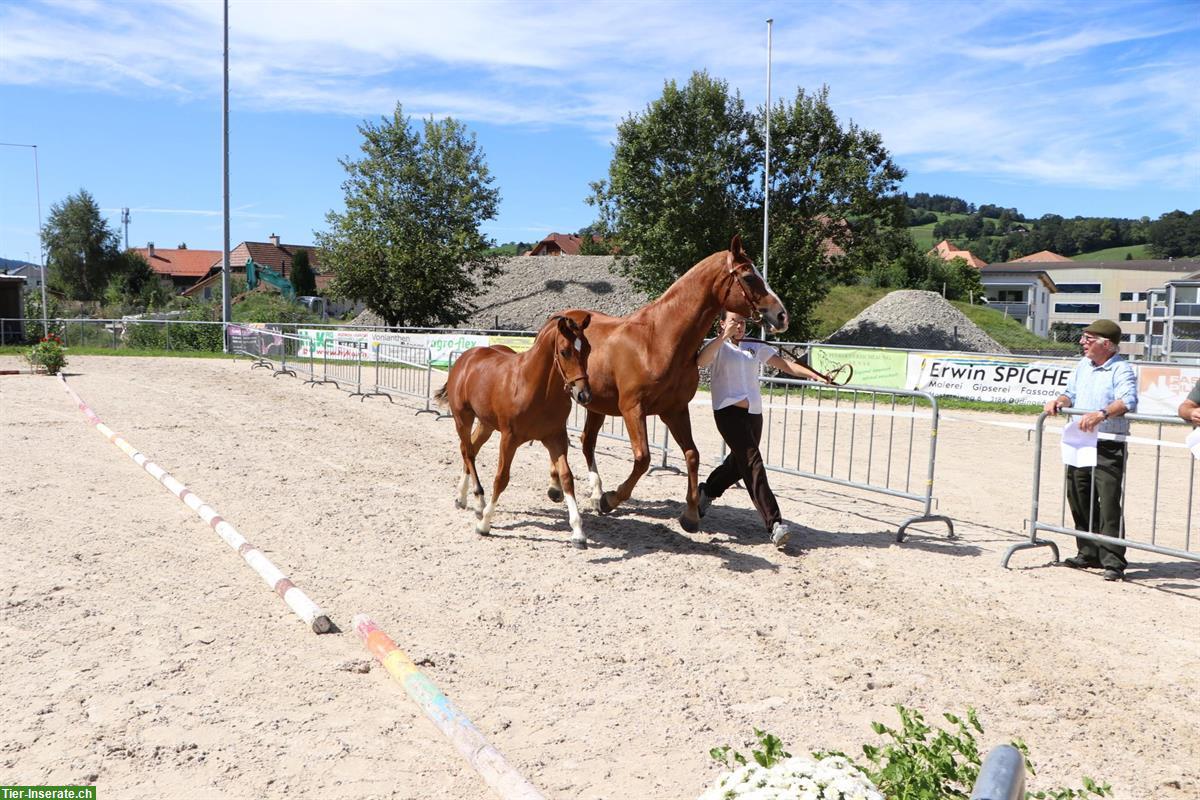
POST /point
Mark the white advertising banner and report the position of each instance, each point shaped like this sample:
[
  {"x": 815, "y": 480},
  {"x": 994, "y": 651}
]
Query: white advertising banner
[
  {"x": 997, "y": 379},
  {"x": 348, "y": 343}
]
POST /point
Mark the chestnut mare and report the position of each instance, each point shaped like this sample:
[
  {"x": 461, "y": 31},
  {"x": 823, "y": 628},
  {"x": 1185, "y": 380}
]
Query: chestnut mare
[
  {"x": 646, "y": 363},
  {"x": 526, "y": 396}
]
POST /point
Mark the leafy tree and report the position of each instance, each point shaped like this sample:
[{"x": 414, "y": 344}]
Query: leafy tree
[
  {"x": 408, "y": 243},
  {"x": 831, "y": 185},
  {"x": 134, "y": 285},
  {"x": 679, "y": 184},
  {"x": 82, "y": 251},
  {"x": 304, "y": 280},
  {"x": 1175, "y": 234},
  {"x": 685, "y": 176}
]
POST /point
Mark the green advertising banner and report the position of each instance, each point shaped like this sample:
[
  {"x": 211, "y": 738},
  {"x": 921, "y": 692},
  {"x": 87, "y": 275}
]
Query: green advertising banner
[
  {"x": 518, "y": 343},
  {"x": 887, "y": 369}
]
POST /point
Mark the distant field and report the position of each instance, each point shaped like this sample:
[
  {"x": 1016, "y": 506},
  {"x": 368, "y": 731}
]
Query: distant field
[
  {"x": 923, "y": 234},
  {"x": 1139, "y": 252}
]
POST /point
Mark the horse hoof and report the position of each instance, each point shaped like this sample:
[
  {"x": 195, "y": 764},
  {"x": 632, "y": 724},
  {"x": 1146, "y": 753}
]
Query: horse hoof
[
  {"x": 691, "y": 526},
  {"x": 459, "y": 504},
  {"x": 555, "y": 494},
  {"x": 479, "y": 529},
  {"x": 579, "y": 544},
  {"x": 604, "y": 505}
]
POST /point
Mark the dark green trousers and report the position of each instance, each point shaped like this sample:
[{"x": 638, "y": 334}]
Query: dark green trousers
[{"x": 1101, "y": 504}]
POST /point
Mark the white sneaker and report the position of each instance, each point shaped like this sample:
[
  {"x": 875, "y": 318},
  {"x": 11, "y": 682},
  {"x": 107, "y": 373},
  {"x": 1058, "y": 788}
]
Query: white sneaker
[
  {"x": 780, "y": 534},
  {"x": 705, "y": 501}
]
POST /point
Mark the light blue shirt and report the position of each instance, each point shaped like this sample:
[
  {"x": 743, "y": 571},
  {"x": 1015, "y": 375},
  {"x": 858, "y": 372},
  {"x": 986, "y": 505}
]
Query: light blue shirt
[{"x": 1091, "y": 388}]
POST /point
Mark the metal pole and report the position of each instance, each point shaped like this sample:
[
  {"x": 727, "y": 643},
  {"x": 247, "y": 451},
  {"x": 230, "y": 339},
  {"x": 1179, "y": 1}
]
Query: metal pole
[
  {"x": 226, "y": 303},
  {"x": 37, "y": 182},
  {"x": 767, "y": 160}
]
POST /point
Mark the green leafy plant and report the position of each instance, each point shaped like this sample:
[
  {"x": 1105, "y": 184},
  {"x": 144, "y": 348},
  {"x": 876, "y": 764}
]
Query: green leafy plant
[
  {"x": 772, "y": 752},
  {"x": 917, "y": 761},
  {"x": 48, "y": 354}
]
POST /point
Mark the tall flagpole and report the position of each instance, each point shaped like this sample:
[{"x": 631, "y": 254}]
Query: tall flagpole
[
  {"x": 37, "y": 184},
  {"x": 767, "y": 164},
  {"x": 37, "y": 181},
  {"x": 226, "y": 303}
]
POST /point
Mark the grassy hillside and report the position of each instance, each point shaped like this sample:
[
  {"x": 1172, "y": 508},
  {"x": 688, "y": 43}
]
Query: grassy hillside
[
  {"x": 843, "y": 303},
  {"x": 1007, "y": 331},
  {"x": 1139, "y": 252},
  {"x": 923, "y": 234}
]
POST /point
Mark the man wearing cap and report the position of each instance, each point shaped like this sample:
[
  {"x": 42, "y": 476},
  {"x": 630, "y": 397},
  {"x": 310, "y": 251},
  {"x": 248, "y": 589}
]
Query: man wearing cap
[
  {"x": 1103, "y": 384},
  {"x": 1189, "y": 410}
]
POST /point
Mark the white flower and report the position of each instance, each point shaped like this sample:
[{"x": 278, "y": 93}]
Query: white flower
[{"x": 796, "y": 778}]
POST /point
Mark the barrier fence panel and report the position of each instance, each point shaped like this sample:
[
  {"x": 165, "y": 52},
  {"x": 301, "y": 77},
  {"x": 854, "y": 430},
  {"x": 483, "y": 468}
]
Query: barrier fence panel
[
  {"x": 1158, "y": 492},
  {"x": 405, "y": 370},
  {"x": 877, "y": 440},
  {"x": 290, "y": 360},
  {"x": 658, "y": 437},
  {"x": 255, "y": 343}
]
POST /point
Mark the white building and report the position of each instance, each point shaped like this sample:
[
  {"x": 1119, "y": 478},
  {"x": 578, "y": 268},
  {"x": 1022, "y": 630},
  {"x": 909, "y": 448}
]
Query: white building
[
  {"x": 1022, "y": 292},
  {"x": 1091, "y": 290}
]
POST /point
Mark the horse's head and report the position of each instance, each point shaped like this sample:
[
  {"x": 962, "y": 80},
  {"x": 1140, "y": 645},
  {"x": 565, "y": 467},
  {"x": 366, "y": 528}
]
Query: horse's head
[
  {"x": 571, "y": 351},
  {"x": 746, "y": 292}
]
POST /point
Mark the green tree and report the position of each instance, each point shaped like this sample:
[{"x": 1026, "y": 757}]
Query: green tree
[
  {"x": 134, "y": 285},
  {"x": 686, "y": 174},
  {"x": 1175, "y": 234},
  {"x": 835, "y": 208},
  {"x": 82, "y": 251},
  {"x": 408, "y": 244},
  {"x": 304, "y": 280},
  {"x": 679, "y": 184}
]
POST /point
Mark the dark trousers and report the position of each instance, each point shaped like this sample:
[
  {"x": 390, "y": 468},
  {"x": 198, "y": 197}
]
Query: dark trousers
[
  {"x": 742, "y": 431},
  {"x": 1102, "y": 502}
]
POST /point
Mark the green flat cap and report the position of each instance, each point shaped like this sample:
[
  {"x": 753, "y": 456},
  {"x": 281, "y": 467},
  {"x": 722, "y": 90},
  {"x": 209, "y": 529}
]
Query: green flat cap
[{"x": 1105, "y": 329}]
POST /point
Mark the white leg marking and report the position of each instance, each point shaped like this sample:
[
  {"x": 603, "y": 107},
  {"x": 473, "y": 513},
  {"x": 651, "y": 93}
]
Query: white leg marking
[
  {"x": 575, "y": 520},
  {"x": 485, "y": 524},
  {"x": 594, "y": 482},
  {"x": 463, "y": 485}
]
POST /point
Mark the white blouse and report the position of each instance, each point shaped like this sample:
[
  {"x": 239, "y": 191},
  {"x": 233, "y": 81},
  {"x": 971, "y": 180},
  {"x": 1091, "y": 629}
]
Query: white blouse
[{"x": 735, "y": 374}]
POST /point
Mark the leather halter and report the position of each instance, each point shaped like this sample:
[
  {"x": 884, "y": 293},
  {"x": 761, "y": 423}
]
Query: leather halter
[
  {"x": 755, "y": 315},
  {"x": 567, "y": 382}
]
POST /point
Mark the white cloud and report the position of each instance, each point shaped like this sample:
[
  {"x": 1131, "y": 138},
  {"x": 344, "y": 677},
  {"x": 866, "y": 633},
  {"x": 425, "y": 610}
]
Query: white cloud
[{"x": 1073, "y": 95}]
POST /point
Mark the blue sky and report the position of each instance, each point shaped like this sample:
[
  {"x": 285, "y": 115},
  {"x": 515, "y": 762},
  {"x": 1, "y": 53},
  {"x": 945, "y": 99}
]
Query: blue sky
[{"x": 1085, "y": 108}]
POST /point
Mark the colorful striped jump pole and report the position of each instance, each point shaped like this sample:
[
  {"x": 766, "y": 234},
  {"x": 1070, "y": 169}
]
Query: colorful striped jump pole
[
  {"x": 297, "y": 600},
  {"x": 489, "y": 762}
]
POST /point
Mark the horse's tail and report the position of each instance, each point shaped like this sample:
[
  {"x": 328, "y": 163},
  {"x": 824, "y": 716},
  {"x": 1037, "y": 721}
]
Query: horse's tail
[{"x": 441, "y": 397}]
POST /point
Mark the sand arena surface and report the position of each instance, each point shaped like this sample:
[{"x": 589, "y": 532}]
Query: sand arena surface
[{"x": 142, "y": 654}]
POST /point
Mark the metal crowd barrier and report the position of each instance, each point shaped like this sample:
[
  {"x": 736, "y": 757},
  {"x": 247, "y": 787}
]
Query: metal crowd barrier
[
  {"x": 1157, "y": 483},
  {"x": 658, "y": 436},
  {"x": 255, "y": 343},
  {"x": 404, "y": 369},
  {"x": 861, "y": 437}
]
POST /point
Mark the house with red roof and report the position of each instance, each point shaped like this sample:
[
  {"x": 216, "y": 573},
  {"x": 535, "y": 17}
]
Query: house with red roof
[
  {"x": 560, "y": 244},
  {"x": 272, "y": 254},
  {"x": 179, "y": 268},
  {"x": 1040, "y": 257},
  {"x": 948, "y": 252}
]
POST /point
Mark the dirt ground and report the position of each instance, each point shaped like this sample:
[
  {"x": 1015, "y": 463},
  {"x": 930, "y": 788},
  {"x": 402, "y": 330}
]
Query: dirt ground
[{"x": 141, "y": 654}]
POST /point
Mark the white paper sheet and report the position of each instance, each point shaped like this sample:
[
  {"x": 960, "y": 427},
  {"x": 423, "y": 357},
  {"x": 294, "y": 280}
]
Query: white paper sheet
[
  {"x": 1193, "y": 442},
  {"x": 1078, "y": 447}
]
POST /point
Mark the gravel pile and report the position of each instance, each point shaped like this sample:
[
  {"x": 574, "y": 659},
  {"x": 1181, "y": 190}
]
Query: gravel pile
[
  {"x": 531, "y": 288},
  {"x": 917, "y": 320}
]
